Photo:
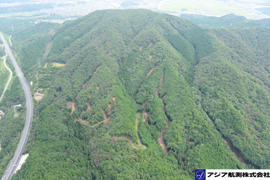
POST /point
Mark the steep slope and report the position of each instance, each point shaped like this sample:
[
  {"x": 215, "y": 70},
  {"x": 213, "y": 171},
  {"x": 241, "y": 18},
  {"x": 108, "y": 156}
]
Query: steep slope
[{"x": 195, "y": 93}]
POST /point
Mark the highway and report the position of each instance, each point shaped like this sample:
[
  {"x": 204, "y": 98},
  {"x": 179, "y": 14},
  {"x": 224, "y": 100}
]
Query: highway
[{"x": 29, "y": 115}]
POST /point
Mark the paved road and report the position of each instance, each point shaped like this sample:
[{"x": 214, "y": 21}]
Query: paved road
[
  {"x": 29, "y": 115},
  {"x": 5, "y": 58}
]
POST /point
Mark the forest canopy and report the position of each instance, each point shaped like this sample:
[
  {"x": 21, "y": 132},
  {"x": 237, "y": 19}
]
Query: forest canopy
[{"x": 133, "y": 94}]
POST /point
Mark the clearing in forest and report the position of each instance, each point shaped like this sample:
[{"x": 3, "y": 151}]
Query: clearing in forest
[
  {"x": 150, "y": 44},
  {"x": 141, "y": 48},
  {"x": 38, "y": 96},
  {"x": 58, "y": 65},
  {"x": 145, "y": 116}
]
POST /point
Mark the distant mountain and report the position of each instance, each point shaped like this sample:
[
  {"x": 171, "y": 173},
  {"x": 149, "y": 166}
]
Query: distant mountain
[
  {"x": 264, "y": 23},
  {"x": 134, "y": 94},
  {"x": 215, "y": 22},
  {"x": 227, "y": 21}
]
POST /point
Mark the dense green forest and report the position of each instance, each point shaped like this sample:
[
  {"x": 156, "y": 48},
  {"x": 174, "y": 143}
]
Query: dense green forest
[{"x": 134, "y": 94}]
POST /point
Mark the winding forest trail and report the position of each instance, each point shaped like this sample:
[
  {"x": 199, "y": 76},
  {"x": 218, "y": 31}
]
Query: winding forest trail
[
  {"x": 108, "y": 120},
  {"x": 5, "y": 58},
  {"x": 132, "y": 143}
]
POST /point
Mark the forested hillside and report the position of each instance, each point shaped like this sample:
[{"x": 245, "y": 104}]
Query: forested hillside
[
  {"x": 134, "y": 94},
  {"x": 227, "y": 21},
  {"x": 215, "y": 22}
]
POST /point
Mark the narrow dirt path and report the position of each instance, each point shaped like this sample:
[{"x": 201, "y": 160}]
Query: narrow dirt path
[
  {"x": 72, "y": 107},
  {"x": 10, "y": 77},
  {"x": 150, "y": 71},
  {"x": 132, "y": 143},
  {"x": 108, "y": 120},
  {"x": 139, "y": 136},
  {"x": 161, "y": 82},
  {"x": 95, "y": 72}
]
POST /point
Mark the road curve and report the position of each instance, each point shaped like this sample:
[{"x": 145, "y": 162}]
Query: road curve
[
  {"x": 29, "y": 115},
  {"x": 5, "y": 58}
]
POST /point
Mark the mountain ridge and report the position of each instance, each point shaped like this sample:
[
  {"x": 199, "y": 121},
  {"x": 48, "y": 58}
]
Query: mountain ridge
[{"x": 200, "y": 88}]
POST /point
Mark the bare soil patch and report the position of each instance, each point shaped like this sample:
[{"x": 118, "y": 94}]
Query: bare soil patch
[
  {"x": 83, "y": 86},
  {"x": 150, "y": 44},
  {"x": 151, "y": 57},
  {"x": 150, "y": 71},
  {"x": 141, "y": 48},
  {"x": 161, "y": 138},
  {"x": 238, "y": 154},
  {"x": 144, "y": 103},
  {"x": 46, "y": 65},
  {"x": 38, "y": 96},
  {"x": 89, "y": 106},
  {"x": 145, "y": 116},
  {"x": 113, "y": 99}
]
